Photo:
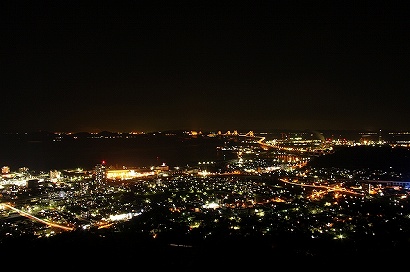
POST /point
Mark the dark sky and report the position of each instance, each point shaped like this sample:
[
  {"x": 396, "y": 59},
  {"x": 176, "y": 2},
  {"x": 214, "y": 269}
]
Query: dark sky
[{"x": 127, "y": 66}]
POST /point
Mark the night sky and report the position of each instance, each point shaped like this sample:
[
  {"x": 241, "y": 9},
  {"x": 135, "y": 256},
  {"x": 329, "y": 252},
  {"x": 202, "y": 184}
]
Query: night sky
[{"x": 72, "y": 66}]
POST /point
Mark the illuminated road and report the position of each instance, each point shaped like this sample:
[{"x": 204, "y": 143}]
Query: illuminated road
[
  {"x": 51, "y": 224},
  {"x": 328, "y": 188}
]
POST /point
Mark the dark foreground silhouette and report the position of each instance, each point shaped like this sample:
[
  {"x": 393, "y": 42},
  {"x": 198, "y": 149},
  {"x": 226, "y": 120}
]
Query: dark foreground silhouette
[{"x": 113, "y": 250}]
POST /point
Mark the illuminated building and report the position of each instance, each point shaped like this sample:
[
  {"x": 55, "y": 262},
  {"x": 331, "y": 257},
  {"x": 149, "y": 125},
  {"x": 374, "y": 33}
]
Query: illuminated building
[
  {"x": 119, "y": 174},
  {"x": 100, "y": 172},
  {"x": 55, "y": 175},
  {"x": 5, "y": 170}
]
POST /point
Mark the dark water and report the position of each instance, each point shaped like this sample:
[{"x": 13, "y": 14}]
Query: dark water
[
  {"x": 86, "y": 153},
  {"x": 367, "y": 157}
]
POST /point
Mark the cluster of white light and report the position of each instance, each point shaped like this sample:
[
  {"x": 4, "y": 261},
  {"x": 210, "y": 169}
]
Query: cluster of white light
[
  {"x": 124, "y": 216},
  {"x": 211, "y": 205},
  {"x": 120, "y": 217}
]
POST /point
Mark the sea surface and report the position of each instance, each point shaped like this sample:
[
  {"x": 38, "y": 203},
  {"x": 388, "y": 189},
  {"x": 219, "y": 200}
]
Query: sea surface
[
  {"x": 145, "y": 151},
  {"x": 47, "y": 151}
]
